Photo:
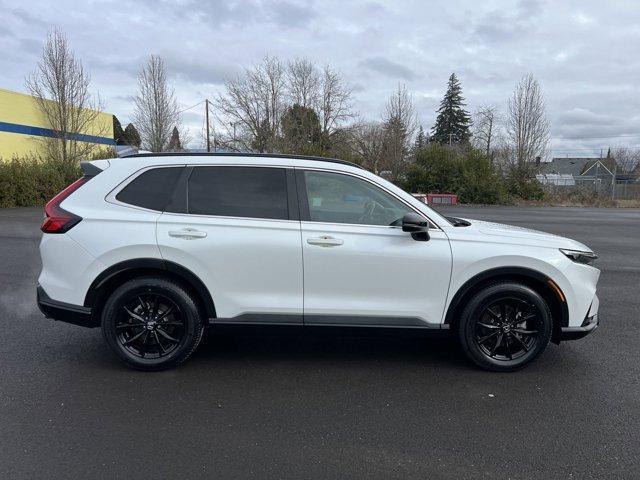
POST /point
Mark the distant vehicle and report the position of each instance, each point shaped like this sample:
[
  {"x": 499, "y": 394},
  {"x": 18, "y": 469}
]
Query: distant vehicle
[{"x": 153, "y": 249}]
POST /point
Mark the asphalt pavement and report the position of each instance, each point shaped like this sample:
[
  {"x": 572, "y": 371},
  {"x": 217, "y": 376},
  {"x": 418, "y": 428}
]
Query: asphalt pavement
[{"x": 310, "y": 406}]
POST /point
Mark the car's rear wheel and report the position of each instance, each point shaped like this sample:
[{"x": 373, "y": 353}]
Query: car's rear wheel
[
  {"x": 151, "y": 324},
  {"x": 505, "y": 326}
]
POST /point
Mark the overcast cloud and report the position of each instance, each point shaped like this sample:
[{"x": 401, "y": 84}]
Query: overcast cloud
[{"x": 584, "y": 53}]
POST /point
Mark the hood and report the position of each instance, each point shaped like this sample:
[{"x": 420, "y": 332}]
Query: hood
[{"x": 524, "y": 236}]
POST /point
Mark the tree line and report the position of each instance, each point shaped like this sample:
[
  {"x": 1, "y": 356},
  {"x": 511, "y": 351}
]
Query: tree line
[{"x": 299, "y": 107}]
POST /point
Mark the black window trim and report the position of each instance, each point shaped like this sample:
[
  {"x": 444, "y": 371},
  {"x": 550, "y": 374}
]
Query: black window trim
[
  {"x": 305, "y": 215},
  {"x": 297, "y": 201},
  {"x": 111, "y": 196},
  {"x": 292, "y": 204},
  {"x": 178, "y": 200}
]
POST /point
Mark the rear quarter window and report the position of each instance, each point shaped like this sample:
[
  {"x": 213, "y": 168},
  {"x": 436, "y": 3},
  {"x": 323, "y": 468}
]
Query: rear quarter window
[{"x": 151, "y": 189}]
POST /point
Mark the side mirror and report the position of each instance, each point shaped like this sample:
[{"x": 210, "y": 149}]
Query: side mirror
[{"x": 417, "y": 225}]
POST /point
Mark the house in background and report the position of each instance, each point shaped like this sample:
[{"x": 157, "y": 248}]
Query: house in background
[
  {"x": 578, "y": 171},
  {"x": 599, "y": 170}
]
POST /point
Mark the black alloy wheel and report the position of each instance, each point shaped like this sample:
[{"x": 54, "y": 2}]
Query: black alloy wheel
[
  {"x": 152, "y": 323},
  {"x": 505, "y": 326},
  {"x": 508, "y": 329}
]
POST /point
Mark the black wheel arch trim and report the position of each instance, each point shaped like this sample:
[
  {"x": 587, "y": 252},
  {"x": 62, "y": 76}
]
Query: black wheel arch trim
[
  {"x": 508, "y": 273},
  {"x": 150, "y": 264}
]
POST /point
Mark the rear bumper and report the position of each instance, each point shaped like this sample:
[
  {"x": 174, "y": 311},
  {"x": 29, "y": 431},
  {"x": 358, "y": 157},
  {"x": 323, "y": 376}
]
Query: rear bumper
[
  {"x": 65, "y": 312},
  {"x": 589, "y": 325}
]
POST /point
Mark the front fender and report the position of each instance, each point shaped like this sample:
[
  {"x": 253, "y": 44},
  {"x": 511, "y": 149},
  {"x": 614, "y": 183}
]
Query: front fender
[{"x": 467, "y": 272}]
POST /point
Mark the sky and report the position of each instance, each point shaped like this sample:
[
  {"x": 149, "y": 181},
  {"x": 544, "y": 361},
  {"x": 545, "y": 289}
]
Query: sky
[{"x": 585, "y": 54}]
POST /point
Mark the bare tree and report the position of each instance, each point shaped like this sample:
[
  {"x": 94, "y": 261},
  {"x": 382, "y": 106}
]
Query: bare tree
[
  {"x": 60, "y": 86},
  {"x": 324, "y": 91},
  {"x": 303, "y": 83},
  {"x": 627, "y": 159},
  {"x": 369, "y": 145},
  {"x": 527, "y": 125},
  {"x": 156, "y": 109},
  {"x": 485, "y": 127},
  {"x": 250, "y": 110},
  {"x": 399, "y": 123},
  {"x": 335, "y": 102}
]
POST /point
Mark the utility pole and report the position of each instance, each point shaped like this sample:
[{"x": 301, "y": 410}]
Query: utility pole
[
  {"x": 596, "y": 187},
  {"x": 206, "y": 103},
  {"x": 613, "y": 178},
  {"x": 233, "y": 124}
]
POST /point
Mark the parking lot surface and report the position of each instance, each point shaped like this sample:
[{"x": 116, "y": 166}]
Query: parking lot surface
[{"x": 317, "y": 406}]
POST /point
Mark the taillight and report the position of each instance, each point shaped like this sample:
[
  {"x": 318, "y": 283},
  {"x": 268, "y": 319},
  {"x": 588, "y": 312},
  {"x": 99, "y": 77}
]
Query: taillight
[{"x": 58, "y": 220}]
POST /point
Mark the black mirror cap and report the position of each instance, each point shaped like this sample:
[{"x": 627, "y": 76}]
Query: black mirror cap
[
  {"x": 412, "y": 222},
  {"x": 417, "y": 225},
  {"x": 421, "y": 236}
]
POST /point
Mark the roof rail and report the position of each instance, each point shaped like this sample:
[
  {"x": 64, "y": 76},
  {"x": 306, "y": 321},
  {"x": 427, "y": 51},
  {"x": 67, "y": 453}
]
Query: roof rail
[{"x": 238, "y": 154}]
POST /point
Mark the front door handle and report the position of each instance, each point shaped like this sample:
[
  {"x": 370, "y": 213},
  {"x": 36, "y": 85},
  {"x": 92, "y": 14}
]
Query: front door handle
[
  {"x": 187, "y": 233},
  {"x": 325, "y": 241}
]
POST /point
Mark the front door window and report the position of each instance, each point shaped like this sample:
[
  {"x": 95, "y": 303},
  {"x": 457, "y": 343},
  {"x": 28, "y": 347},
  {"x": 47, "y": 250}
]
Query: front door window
[{"x": 337, "y": 198}]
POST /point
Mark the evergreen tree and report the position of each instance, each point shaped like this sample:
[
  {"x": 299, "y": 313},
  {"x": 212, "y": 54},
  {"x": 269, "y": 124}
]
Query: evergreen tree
[
  {"x": 174, "y": 141},
  {"x": 301, "y": 131},
  {"x": 261, "y": 140},
  {"x": 131, "y": 136},
  {"x": 118, "y": 132},
  {"x": 421, "y": 140},
  {"x": 453, "y": 121}
]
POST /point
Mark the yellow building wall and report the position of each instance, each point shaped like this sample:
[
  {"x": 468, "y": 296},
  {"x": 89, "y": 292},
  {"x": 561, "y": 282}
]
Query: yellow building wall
[{"x": 18, "y": 110}]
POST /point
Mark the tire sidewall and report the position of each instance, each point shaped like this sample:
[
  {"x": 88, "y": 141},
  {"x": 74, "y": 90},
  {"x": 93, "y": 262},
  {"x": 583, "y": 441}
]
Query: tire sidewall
[
  {"x": 188, "y": 310},
  {"x": 478, "y": 304}
]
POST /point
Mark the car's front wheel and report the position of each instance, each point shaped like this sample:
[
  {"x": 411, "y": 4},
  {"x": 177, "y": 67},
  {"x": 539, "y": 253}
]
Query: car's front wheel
[
  {"x": 505, "y": 326},
  {"x": 151, "y": 323}
]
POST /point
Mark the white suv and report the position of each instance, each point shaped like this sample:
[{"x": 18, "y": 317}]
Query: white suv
[{"x": 153, "y": 248}]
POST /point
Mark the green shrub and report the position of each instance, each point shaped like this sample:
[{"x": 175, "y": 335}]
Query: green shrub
[
  {"x": 32, "y": 181},
  {"x": 465, "y": 171},
  {"x": 522, "y": 184}
]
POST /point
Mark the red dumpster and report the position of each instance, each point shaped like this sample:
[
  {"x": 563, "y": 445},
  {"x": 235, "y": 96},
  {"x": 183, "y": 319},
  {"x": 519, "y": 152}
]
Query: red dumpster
[
  {"x": 437, "y": 198},
  {"x": 442, "y": 199}
]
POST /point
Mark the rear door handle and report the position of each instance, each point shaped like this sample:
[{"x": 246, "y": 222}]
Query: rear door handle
[
  {"x": 325, "y": 241},
  {"x": 187, "y": 233}
]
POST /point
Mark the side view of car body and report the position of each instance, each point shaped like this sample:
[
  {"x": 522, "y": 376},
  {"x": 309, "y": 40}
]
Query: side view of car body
[{"x": 154, "y": 248}]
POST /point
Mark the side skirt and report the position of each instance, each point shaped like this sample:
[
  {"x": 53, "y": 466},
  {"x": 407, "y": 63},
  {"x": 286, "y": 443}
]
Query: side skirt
[{"x": 340, "y": 321}]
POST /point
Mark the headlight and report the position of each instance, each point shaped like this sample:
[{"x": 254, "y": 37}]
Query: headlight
[{"x": 581, "y": 257}]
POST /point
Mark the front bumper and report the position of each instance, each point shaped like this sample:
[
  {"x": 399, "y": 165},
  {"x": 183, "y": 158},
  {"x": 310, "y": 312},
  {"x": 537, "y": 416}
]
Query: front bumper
[
  {"x": 575, "y": 333},
  {"x": 65, "y": 312}
]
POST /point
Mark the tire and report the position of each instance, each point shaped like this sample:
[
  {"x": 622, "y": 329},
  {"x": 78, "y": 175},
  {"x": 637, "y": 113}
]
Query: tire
[
  {"x": 151, "y": 324},
  {"x": 505, "y": 326}
]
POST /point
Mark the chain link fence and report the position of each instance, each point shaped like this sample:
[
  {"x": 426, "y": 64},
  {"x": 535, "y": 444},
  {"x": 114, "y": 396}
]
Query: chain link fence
[{"x": 595, "y": 193}]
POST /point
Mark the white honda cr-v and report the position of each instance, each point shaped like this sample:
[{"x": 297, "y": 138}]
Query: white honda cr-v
[{"x": 153, "y": 248}]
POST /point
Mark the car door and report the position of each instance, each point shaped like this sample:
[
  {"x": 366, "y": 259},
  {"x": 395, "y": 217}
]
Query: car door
[
  {"x": 360, "y": 268},
  {"x": 237, "y": 229}
]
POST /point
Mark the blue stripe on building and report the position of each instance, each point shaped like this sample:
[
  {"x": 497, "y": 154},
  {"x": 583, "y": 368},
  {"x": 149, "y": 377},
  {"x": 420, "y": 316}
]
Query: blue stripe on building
[{"x": 47, "y": 132}]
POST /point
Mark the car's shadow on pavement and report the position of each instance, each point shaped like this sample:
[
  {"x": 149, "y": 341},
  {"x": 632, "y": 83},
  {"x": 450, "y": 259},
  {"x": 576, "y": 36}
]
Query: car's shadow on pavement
[
  {"x": 438, "y": 352},
  {"x": 317, "y": 346},
  {"x": 360, "y": 348}
]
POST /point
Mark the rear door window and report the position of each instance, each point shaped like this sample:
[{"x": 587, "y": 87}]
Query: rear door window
[
  {"x": 151, "y": 189},
  {"x": 250, "y": 192}
]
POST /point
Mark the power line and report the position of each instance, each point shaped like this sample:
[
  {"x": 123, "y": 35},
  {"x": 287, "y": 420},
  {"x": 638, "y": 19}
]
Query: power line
[
  {"x": 597, "y": 138},
  {"x": 634, "y": 147},
  {"x": 192, "y": 106}
]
